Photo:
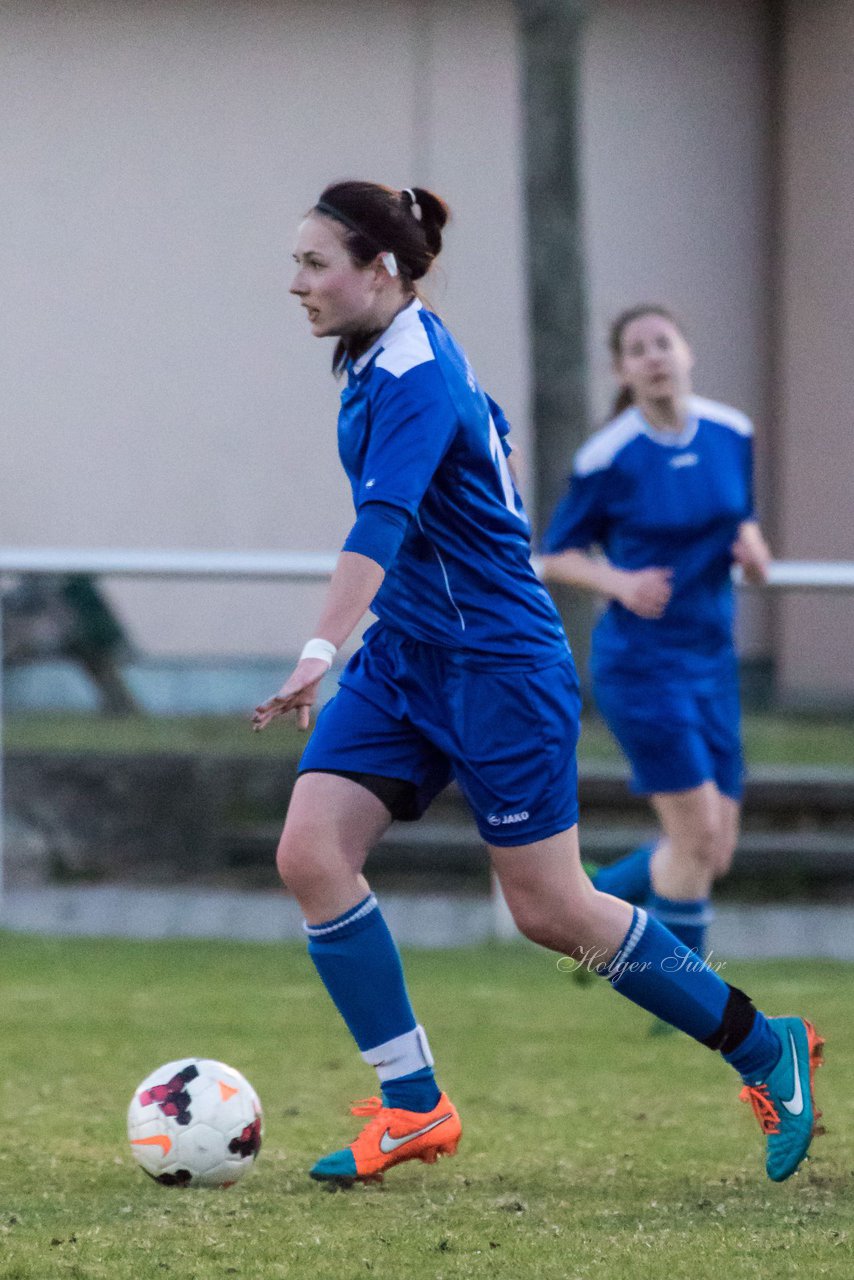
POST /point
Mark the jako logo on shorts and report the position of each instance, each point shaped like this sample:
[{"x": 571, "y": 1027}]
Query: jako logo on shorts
[{"x": 495, "y": 821}]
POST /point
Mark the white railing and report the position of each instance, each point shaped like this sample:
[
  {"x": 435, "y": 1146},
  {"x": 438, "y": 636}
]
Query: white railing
[
  {"x": 801, "y": 575},
  {"x": 310, "y": 566},
  {"x": 296, "y": 566}
]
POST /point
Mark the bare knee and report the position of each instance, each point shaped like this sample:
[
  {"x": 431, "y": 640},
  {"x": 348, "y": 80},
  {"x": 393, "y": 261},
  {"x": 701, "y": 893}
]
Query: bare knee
[
  {"x": 304, "y": 859},
  {"x": 702, "y": 842},
  {"x": 536, "y": 929},
  {"x": 724, "y": 851},
  {"x": 710, "y": 845},
  {"x": 293, "y": 855},
  {"x": 557, "y": 926}
]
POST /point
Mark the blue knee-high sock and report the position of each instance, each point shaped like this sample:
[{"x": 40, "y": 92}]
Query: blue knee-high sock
[
  {"x": 651, "y": 968},
  {"x": 628, "y": 877},
  {"x": 359, "y": 964},
  {"x": 687, "y": 918}
]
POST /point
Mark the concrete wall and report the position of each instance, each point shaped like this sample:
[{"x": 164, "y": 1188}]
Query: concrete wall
[
  {"x": 156, "y": 160},
  {"x": 158, "y": 157},
  {"x": 676, "y": 169},
  {"x": 816, "y": 341},
  {"x": 676, "y": 146}
]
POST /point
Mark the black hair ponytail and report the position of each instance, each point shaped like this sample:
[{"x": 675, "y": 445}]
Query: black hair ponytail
[{"x": 377, "y": 219}]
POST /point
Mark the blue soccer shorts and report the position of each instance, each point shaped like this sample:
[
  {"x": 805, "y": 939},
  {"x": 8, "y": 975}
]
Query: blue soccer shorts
[
  {"x": 422, "y": 715},
  {"x": 676, "y": 736}
]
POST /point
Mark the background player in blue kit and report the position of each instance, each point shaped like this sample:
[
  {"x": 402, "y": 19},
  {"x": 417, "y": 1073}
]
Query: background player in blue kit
[
  {"x": 666, "y": 491},
  {"x": 467, "y": 673}
]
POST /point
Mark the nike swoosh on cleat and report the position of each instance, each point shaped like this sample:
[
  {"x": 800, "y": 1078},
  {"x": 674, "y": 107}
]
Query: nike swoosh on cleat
[
  {"x": 389, "y": 1144},
  {"x": 795, "y": 1104}
]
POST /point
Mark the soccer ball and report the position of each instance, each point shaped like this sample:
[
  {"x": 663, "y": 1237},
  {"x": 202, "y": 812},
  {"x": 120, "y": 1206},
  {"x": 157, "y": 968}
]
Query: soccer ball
[{"x": 195, "y": 1122}]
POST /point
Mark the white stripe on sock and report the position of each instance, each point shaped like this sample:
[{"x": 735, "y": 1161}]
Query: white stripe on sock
[
  {"x": 676, "y": 917},
  {"x": 318, "y": 930},
  {"x": 400, "y": 1056},
  {"x": 631, "y": 941}
]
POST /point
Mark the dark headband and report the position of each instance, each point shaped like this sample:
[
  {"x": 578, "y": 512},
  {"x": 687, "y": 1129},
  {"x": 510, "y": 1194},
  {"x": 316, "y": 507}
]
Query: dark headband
[{"x": 332, "y": 212}]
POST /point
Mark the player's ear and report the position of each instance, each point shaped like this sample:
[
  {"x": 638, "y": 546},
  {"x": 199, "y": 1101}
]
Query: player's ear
[{"x": 388, "y": 263}]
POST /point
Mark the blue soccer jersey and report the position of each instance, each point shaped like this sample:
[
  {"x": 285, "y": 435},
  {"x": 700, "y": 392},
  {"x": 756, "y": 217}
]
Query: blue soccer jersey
[
  {"x": 652, "y": 498},
  {"x": 416, "y": 432}
]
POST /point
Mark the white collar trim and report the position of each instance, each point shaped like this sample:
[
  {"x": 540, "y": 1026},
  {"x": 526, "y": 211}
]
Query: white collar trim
[
  {"x": 670, "y": 439},
  {"x": 401, "y": 322}
]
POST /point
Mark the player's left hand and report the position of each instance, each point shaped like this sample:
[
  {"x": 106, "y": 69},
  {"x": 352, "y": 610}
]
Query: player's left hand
[
  {"x": 750, "y": 551},
  {"x": 296, "y": 694}
]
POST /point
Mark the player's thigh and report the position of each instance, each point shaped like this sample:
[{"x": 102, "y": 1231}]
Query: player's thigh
[
  {"x": 514, "y": 735},
  {"x": 330, "y": 821},
  {"x": 554, "y": 903},
  {"x": 692, "y": 819},
  {"x": 730, "y": 819},
  {"x": 543, "y": 871},
  {"x": 730, "y": 815}
]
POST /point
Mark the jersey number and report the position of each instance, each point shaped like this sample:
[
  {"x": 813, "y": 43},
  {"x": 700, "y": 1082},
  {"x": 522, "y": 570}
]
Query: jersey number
[{"x": 499, "y": 457}]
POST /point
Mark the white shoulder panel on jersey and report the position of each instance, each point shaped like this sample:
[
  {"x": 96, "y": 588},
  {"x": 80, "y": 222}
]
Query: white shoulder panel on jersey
[
  {"x": 602, "y": 448},
  {"x": 724, "y": 414},
  {"x": 405, "y": 349},
  {"x": 403, "y": 345}
]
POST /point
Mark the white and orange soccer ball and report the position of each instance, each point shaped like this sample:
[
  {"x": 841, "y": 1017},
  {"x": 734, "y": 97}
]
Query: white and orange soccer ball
[{"x": 195, "y": 1123}]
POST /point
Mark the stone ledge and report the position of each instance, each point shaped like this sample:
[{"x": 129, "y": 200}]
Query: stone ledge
[{"x": 434, "y": 920}]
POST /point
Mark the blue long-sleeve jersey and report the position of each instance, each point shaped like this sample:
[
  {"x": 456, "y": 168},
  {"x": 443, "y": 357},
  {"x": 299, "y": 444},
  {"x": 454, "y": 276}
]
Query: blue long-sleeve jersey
[{"x": 416, "y": 432}]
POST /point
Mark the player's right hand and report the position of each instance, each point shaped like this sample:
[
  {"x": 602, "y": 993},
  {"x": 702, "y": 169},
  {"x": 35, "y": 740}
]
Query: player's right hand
[
  {"x": 646, "y": 592},
  {"x": 296, "y": 694}
]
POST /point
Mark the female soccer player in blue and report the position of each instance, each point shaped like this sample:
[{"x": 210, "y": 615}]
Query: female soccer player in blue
[
  {"x": 666, "y": 490},
  {"x": 466, "y": 674}
]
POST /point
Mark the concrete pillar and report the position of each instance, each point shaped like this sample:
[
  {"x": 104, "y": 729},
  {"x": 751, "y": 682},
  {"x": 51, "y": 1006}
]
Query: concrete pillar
[{"x": 550, "y": 45}]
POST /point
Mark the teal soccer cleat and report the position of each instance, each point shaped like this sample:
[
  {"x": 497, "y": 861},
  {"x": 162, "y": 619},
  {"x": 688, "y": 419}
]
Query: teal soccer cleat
[{"x": 784, "y": 1104}]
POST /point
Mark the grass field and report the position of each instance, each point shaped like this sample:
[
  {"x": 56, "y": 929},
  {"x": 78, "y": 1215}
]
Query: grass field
[
  {"x": 769, "y": 738},
  {"x": 590, "y": 1150}
]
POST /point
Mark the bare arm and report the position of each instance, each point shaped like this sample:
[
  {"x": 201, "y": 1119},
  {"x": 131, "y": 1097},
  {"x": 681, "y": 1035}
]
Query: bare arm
[
  {"x": 645, "y": 592},
  {"x": 580, "y": 569},
  {"x": 516, "y": 467},
  {"x": 750, "y": 551},
  {"x": 355, "y": 582},
  {"x": 353, "y": 585}
]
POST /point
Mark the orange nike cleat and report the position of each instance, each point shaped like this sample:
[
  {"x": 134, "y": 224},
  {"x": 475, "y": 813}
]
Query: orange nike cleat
[{"x": 389, "y": 1138}]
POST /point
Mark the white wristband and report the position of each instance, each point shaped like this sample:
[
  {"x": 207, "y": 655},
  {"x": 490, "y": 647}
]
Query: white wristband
[{"x": 325, "y": 650}]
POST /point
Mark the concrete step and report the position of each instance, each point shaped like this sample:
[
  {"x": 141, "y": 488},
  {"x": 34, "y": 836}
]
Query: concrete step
[
  {"x": 815, "y": 852},
  {"x": 781, "y": 790},
  {"x": 797, "y": 821},
  {"x": 454, "y": 848},
  {"x": 438, "y": 920}
]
